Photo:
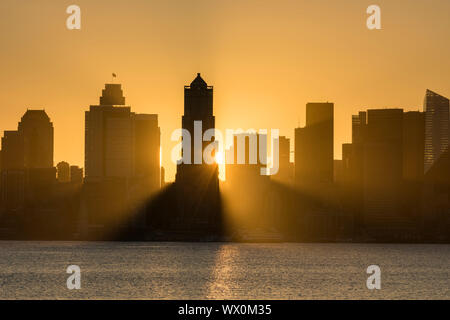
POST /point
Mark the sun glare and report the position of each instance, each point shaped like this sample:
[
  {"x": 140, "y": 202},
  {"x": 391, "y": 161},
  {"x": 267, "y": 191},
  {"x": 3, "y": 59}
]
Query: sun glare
[{"x": 220, "y": 159}]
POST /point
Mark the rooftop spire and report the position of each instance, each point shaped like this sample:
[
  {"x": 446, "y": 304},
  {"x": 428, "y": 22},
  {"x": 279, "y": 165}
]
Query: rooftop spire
[{"x": 198, "y": 82}]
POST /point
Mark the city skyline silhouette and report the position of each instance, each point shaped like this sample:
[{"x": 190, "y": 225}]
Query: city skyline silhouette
[
  {"x": 271, "y": 65},
  {"x": 389, "y": 186}
]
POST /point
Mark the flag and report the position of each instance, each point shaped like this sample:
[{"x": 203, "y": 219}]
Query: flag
[{"x": 114, "y": 75}]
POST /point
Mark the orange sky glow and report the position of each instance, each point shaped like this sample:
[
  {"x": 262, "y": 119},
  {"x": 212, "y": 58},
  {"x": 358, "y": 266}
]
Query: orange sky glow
[{"x": 265, "y": 59}]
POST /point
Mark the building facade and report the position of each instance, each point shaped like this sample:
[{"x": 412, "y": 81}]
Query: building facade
[
  {"x": 198, "y": 183},
  {"x": 436, "y": 108}
]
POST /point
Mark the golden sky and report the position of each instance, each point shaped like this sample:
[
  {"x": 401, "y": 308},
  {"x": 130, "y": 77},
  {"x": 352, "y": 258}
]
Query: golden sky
[{"x": 265, "y": 58}]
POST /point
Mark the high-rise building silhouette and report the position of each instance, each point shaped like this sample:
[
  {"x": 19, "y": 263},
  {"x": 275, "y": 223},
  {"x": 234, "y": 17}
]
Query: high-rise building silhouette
[
  {"x": 198, "y": 183},
  {"x": 353, "y": 168},
  {"x": 245, "y": 165},
  {"x": 413, "y": 145},
  {"x": 122, "y": 162},
  {"x": 314, "y": 146},
  {"x": 120, "y": 143},
  {"x": 27, "y": 172},
  {"x": 109, "y": 137},
  {"x": 12, "y": 151},
  {"x": 436, "y": 108},
  {"x": 359, "y": 135},
  {"x": 198, "y": 107},
  {"x": 147, "y": 137},
  {"x": 31, "y": 146},
  {"x": 383, "y": 166},
  {"x": 382, "y": 169},
  {"x": 37, "y": 134},
  {"x": 13, "y": 173},
  {"x": 285, "y": 172}
]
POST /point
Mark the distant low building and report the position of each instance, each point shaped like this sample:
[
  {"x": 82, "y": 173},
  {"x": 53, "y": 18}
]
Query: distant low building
[
  {"x": 63, "y": 170},
  {"x": 76, "y": 175}
]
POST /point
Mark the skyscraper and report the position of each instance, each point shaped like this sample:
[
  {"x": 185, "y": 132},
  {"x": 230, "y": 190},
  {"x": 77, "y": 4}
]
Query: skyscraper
[
  {"x": 108, "y": 136},
  {"x": 286, "y": 168},
  {"x": 198, "y": 106},
  {"x": 27, "y": 173},
  {"x": 383, "y": 167},
  {"x": 31, "y": 146},
  {"x": 353, "y": 168},
  {"x": 436, "y": 108},
  {"x": 122, "y": 168},
  {"x": 198, "y": 183},
  {"x": 12, "y": 151},
  {"x": 245, "y": 187},
  {"x": 118, "y": 142},
  {"x": 147, "y": 137},
  {"x": 37, "y": 134},
  {"x": 12, "y": 172},
  {"x": 413, "y": 145},
  {"x": 314, "y": 146}
]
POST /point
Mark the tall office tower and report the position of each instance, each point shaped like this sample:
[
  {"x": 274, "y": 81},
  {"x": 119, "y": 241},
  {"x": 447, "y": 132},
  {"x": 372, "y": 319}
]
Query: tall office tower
[
  {"x": 436, "y": 108},
  {"x": 359, "y": 125},
  {"x": 198, "y": 106},
  {"x": 122, "y": 152},
  {"x": 12, "y": 172},
  {"x": 347, "y": 157},
  {"x": 147, "y": 137},
  {"x": 108, "y": 137},
  {"x": 314, "y": 146},
  {"x": 63, "y": 171},
  {"x": 285, "y": 149},
  {"x": 245, "y": 160},
  {"x": 353, "y": 157},
  {"x": 285, "y": 171},
  {"x": 31, "y": 146},
  {"x": 37, "y": 134},
  {"x": 28, "y": 175},
  {"x": 383, "y": 167},
  {"x": 12, "y": 151},
  {"x": 118, "y": 142},
  {"x": 359, "y": 133},
  {"x": 198, "y": 184},
  {"x": 413, "y": 145}
]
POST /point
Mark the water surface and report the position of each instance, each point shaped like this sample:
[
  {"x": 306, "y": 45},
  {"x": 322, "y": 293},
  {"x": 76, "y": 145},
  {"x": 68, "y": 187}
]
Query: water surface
[{"x": 118, "y": 270}]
